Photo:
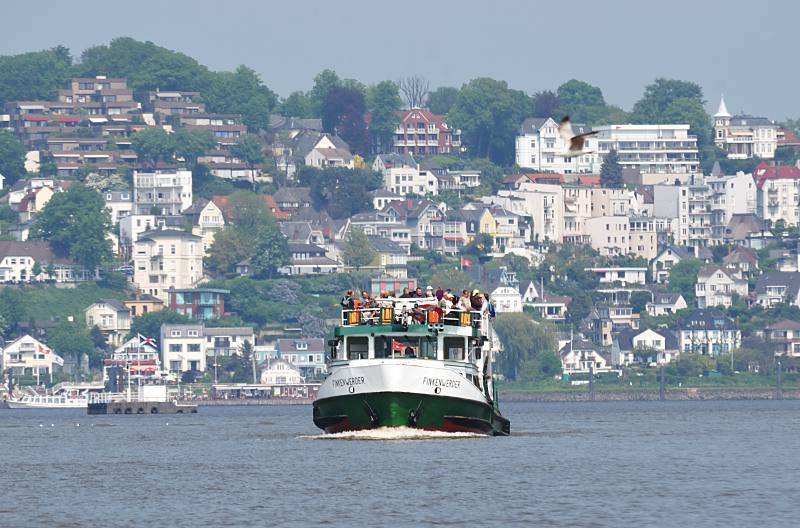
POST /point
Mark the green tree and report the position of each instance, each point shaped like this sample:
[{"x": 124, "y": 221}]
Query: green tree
[
  {"x": 149, "y": 324},
  {"x": 480, "y": 246},
  {"x": 270, "y": 251},
  {"x": 583, "y": 102},
  {"x": 383, "y": 104},
  {"x": 34, "y": 76},
  {"x": 324, "y": 81},
  {"x": 546, "y": 104},
  {"x": 75, "y": 223},
  {"x": 682, "y": 278},
  {"x": 611, "y": 171},
  {"x": 250, "y": 150},
  {"x": 153, "y": 144},
  {"x": 357, "y": 251},
  {"x": 343, "y": 113},
  {"x": 442, "y": 99},
  {"x": 229, "y": 248},
  {"x": 297, "y": 104},
  {"x": 105, "y": 182},
  {"x": 524, "y": 341},
  {"x": 12, "y": 158},
  {"x": 339, "y": 191},
  {"x": 674, "y": 101},
  {"x": 191, "y": 144},
  {"x": 13, "y": 309},
  {"x": 489, "y": 114},
  {"x": 241, "y": 92},
  {"x": 72, "y": 340},
  {"x": 639, "y": 300}
]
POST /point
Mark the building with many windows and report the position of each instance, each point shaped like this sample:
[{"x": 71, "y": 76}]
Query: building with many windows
[
  {"x": 778, "y": 196},
  {"x": 744, "y": 136},
  {"x": 422, "y": 132},
  {"x": 708, "y": 331},
  {"x": 540, "y": 147},
  {"x": 167, "y": 258},
  {"x": 167, "y": 192}
]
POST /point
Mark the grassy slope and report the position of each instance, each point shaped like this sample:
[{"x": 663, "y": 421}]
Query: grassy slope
[{"x": 44, "y": 302}]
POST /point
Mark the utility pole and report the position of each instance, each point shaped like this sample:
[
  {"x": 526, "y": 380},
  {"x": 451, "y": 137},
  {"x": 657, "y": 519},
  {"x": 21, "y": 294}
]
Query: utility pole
[
  {"x": 591, "y": 382},
  {"x": 779, "y": 382},
  {"x": 662, "y": 389}
]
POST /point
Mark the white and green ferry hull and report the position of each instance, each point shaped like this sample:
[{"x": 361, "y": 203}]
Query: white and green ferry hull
[{"x": 418, "y": 393}]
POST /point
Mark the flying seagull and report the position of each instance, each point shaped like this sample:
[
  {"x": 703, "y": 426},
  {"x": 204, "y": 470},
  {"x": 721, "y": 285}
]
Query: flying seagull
[{"x": 574, "y": 143}]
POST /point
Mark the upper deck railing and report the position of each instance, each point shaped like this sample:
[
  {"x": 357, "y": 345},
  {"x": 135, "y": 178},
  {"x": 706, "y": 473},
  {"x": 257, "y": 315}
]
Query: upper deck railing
[{"x": 411, "y": 311}]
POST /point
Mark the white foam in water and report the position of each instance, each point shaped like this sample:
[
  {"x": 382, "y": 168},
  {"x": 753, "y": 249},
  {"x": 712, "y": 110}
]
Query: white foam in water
[{"x": 393, "y": 433}]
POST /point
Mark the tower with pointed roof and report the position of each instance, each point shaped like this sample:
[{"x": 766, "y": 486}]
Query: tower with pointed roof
[{"x": 722, "y": 123}]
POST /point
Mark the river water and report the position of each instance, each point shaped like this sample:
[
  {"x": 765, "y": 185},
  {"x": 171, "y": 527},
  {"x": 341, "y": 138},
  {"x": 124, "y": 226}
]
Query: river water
[{"x": 593, "y": 464}]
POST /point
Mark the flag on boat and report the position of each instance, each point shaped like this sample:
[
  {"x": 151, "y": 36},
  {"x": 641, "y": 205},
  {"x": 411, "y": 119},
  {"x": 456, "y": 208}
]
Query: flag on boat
[
  {"x": 397, "y": 346},
  {"x": 146, "y": 340},
  {"x": 466, "y": 263}
]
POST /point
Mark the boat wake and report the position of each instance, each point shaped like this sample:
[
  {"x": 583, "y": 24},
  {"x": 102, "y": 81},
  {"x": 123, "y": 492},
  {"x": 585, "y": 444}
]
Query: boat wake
[{"x": 393, "y": 434}]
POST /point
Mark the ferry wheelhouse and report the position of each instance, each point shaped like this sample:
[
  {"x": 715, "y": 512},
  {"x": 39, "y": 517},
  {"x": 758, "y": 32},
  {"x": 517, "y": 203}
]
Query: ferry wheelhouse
[{"x": 407, "y": 362}]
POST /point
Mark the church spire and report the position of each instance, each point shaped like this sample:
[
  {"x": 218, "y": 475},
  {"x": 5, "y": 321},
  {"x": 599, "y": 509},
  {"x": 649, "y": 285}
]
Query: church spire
[{"x": 722, "y": 111}]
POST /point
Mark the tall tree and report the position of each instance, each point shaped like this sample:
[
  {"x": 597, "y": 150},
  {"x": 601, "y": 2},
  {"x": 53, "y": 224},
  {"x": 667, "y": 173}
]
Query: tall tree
[
  {"x": 583, "y": 102},
  {"x": 250, "y": 150},
  {"x": 669, "y": 101},
  {"x": 34, "y": 76},
  {"x": 683, "y": 277},
  {"x": 415, "y": 90},
  {"x": 343, "y": 114},
  {"x": 191, "y": 144},
  {"x": 270, "y": 251},
  {"x": 12, "y": 158},
  {"x": 297, "y": 104},
  {"x": 546, "y": 104},
  {"x": 442, "y": 99},
  {"x": 383, "y": 104},
  {"x": 489, "y": 114},
  {"x": 357, "y": 251},
  {"x": 324, "y": 81},
  {"x": 524, "y": 341},
  {"x": 153, "y": 144},
  {"x": 241, "y": 92},
  {"x": 339, "y": 191},
  {"x": 75, "y": 223},
  {"x": 611, "y": 171},
  {"x": 73, "y": 340}
]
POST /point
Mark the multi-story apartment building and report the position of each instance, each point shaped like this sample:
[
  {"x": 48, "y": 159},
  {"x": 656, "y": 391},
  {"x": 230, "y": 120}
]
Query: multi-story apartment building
[
  {"x": 162, "y": 192},
  {"x": 778, "y": 193},
  {"x": 227, "y": 128},
  {"x": 183, "y": 347},
  {"x": 197, "y": 303},
  {"x": 543, "y": 204},
  {"x": 784, "y": 336},
  {"x": 661, "y": 153},
  {"x": 165, "y": 104},
  {"x": 744, "y": 136},
  {"x": 708, "y": 331},
  {"x": 402, "y": 175},
  {"x": 540, "y": 147},
  {"x": 225, "y": 341},
  {"x": 730, "y": 195},
  {"x": 690, "y": 205},
  {"x": 643, "y": 236},
  {"x": 421, "y": 132},
  {"x": 609, "y": 235},
  {"x": 167, "y": 258}
]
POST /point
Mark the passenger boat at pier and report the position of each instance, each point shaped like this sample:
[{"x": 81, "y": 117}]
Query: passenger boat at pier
[
  {"x": 405, "y": 362},
  {"x": 63, "y": 396}
]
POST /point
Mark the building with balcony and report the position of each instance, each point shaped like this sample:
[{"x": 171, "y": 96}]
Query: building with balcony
[
  {"x": 540, "y": 147},
  {"x": 183, "y": 348},
  {"x": 111, "y": 317},
  {"x": 709, "y": 332},
  {"x": 224, "y": 341},
  {"x": 744, "y": 136},
  {"x": 26, "y": 356},
  {"x": 197, "y": 303},
  {"x": 226, "y": 128},
  {"x": 164, "y": 193},
  {"x": 421, "y": 132},
  {"x": 784, "y": 336},
  {"x": 661, "y": 153},
  {"x": 778, "y": 287},
  {"x": 778, "y": 193},
  {"x": 167, "y": 258},
  {"x": 173, "y": 103},
  {"x": 729, "y": 195},
  {"x": 623, "y": 275}
]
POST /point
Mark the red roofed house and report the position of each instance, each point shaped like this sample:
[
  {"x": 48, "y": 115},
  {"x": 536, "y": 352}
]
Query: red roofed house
[
  {"x": 422, "y": 132},
  {"x": 224, "y": 203},
  {"x": 777, "y": 197}
]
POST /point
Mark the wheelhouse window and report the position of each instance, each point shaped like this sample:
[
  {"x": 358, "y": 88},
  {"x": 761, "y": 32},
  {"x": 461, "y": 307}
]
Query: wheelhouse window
[
  {"x": 357, "y": 347},
  {"x": 405, "y": 347},
  {"x": 454, "y": 348}
]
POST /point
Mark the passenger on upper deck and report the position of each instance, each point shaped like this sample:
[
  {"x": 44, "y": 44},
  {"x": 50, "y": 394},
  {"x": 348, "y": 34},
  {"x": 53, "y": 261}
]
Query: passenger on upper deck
[
  {"x": 464, "y": 302},
  {"x": 347, "y": 300}
]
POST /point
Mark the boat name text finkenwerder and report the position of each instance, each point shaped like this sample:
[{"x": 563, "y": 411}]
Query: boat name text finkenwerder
[{"x": 439, "y": 382}]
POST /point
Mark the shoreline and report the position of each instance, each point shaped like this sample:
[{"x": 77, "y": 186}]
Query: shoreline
[{"x": 687, "y": 394}]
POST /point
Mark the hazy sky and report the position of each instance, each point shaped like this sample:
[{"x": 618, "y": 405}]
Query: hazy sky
[{"x": 740, "y": 47}]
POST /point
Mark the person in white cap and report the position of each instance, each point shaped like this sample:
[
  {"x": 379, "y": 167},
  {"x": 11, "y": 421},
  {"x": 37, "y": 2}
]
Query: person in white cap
[{"x": 429, "y": 291}]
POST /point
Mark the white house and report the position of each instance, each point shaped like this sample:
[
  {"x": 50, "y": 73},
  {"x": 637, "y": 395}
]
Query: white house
[
  {"x": 777, "y": 287},
  {"x": 34, "y": 261},
  {"x": 119, "y": 204},
  {"x": 665, "y": 304},
  {"x": 647, "y": 346},
  {"x": 26, "y": 356},
  {"x": 744, "y": 136},
  {"x": 708, "y": 331},
  {"x": 777, "y": 193},
  {"x": 716, "y": 286},
  {"x": 112, "y": 317},
  {"x": 580, "y": 355},
  {"x": 540, "y": 147},
  {"x": 182, "y": 347},
  {"x": 612, "y": 274},
  {"x": 280, "y": 372}
]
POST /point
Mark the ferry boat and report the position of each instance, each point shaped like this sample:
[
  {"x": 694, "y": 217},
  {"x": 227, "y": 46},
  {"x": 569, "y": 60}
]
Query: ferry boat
[
  {"x": 63, "y": 396},
  {"x": 407, "y": 363}
]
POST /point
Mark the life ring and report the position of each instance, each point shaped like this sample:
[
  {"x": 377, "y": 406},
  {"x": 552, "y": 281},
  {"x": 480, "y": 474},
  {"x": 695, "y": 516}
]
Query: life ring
[{"x": 154, "y": 410}]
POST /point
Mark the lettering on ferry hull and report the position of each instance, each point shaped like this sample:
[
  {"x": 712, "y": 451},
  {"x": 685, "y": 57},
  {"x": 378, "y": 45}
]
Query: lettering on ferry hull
[
  {"x": 440, "y": 383},
  {"x": 348, "y": 382}
]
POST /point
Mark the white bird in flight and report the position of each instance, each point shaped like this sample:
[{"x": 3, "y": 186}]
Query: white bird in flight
[{"x": 575, "y": 143}]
